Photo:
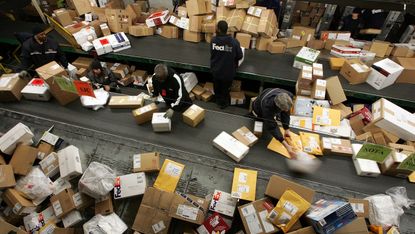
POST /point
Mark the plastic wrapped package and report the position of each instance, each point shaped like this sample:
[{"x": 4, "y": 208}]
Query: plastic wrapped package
[
  {"x": 35, "y": 185},
  {"x": 400, "y": 197},
  {"x": 97, "y": 102},
  {"x": 382, "y": 211},
  {"x": 97, "y": 180},
  {"x": 110, "y": 224}
]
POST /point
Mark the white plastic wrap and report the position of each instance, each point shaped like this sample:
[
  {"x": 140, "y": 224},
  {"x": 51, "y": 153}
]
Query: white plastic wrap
[
  {"x": 110, "y": 224},
  {"x": 97, "y": 180},
  {"x": 303, "y": 163},
  {"x": 35, "y": 185},
  {"x": 400, "y": 197},
  {"x": 97, "y": 102}
]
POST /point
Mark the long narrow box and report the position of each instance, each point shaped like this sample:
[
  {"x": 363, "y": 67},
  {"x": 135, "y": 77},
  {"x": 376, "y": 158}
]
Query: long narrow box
[{"x": 231, "y": 146}]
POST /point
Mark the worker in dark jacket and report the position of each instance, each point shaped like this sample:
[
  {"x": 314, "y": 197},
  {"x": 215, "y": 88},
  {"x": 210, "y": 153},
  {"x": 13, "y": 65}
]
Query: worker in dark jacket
[
  {"x": 40, "y": 50},
  {"x": 170, "y": 85},
  {"x": 352, "y": 23},
  {"x": 271, "y": 105},
  {"x": 225, "y": 52},
  {"x": 101, "y": 77}
]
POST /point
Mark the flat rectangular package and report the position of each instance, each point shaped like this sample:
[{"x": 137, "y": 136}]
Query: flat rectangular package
[
  {"x": 69, "y": 162},
  {"x": 194, "y": 115},
  {"x": 126, "y": 102},
  {"x": 146, "y": 162},
  {"x": 169, "y": 176},
  {"x": 11, "y": 86},
  {"x": 245, "y": 136},
  {"x": 335, "y": 90},
  {"x": 244, "y": 184},
  {"x": 223, "y": 203},
  {"x": 130, "y": 185},
  {"x": 231, "y": 146},
  {"x": 254, "y": 216},
  {"x": 384, "y": 73}
]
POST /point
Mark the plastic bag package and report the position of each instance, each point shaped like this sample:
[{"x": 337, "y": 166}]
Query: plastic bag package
[
  {"x": 97, "y": 180},
  {"x": 382, "y": 211},
  {"x": 35, "y": 185},
  {"x": 400, "y": 197},
  {"x": 304, "y": 163},
  {"x": 110, "y": 224},
  {"x": 97, "y": 102}
]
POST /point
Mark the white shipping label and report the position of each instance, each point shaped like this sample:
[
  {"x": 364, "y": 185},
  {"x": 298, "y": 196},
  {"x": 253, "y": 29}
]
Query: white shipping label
[
  {"x": 5, "y": 81},
  {"x": 243, "y": 188},
  {"x": 336, "y": 141},
  {"x": 158, "y": 227},
  {"x": 77, "y": 199},
  {"x": 187, "y": 212},
  {"x": 247, "y": 210},
  {"x": 358, "y": 207},
  {"x": 291, "y": 208},
  {"x": 327, "y": 143},
  {"x": 173, "y": 170},
  {"x": 137, "y": 161},
  {"x": 254, "y": 225},
  {"x": 265, "y": 222},
  {"x": 320, "y": 93},
  {"x": 16, "y": 208},
  {"x": 243, "y": 177},
  {"x": 57, "y": 208},
  {"x": 49, "y": 138}
]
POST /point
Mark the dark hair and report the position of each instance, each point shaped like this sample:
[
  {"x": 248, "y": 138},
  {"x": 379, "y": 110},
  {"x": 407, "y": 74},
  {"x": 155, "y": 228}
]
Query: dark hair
[
  {"x": 357, "y": 10},
  {"x": 96, "y": 64},
  {"x": 222, "y": 27}
]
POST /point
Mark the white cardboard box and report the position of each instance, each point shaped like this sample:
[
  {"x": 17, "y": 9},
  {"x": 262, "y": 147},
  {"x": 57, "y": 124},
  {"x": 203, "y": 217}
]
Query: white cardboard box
[
  {"x": 130, "y": 185},
  {"x": 258, "y": 127},
  {"x": 50, "y": 164},
  {"x": 158, "y": 18},
  {"x": 223, "y": 203},
  {"x": 20, "y": 133},
  {"x": 60, "y": 184},
  {"x": 71, "y": 219},
  {"x": 394, "y": 119},
  {"x": 306, "y": 56},
  {"x": 345, "y": 51},
  {"x": 364, "y": 167},
  {"x": 69, "y": 162},
  {"x": 160, "y": 124},
  {"x": 231, "y": 146},
  {"x": 37, "y": 89},
  {"x": 384, "y": 73}
]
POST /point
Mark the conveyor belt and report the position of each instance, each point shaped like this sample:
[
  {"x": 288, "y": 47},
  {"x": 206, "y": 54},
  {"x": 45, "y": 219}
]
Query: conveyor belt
[{"x": 336, "y": 171}]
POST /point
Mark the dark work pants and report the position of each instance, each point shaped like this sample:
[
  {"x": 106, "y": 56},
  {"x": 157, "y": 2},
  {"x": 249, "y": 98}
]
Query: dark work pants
[{"x": 222, "y": 89}]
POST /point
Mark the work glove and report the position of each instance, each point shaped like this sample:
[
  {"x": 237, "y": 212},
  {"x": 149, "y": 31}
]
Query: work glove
[
  {"x": 24, "y": 75},
  {"x": 169, "y": 113}
]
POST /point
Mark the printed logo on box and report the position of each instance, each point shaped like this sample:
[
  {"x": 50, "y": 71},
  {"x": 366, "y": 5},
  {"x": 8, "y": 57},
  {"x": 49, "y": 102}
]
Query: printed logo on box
[{"x": 117, "y": 188}]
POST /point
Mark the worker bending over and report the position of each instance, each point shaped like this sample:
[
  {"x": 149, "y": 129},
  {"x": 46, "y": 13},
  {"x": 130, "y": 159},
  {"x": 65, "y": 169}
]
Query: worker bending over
[{"x": 102, "y": 77}]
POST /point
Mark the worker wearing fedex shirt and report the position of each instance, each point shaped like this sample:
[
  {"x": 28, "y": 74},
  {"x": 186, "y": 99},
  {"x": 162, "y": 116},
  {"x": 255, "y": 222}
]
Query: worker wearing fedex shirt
[
  {"x": 225, "y": 52},
  {"x": 170, "y": 85}
]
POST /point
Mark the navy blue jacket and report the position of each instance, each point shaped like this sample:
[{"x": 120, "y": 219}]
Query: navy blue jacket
[{"x": 225, "y": 52}]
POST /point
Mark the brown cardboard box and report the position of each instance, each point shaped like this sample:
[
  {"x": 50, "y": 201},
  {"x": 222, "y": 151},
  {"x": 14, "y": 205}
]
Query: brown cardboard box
[
  {"x": 198, "y": 91},
  {"x": 140, "y": 30},
  {"x": 209, "y": 87},
  {"x": 407, "y": 149},
  {"x": 63, "y": 203},
  {"x": 194, "y": 115},
  {"x": 146, "y": 162},
  {"x": 306, "y": 230},
  {"x": 82, "y": 201},
  {"x": 6, "y": 227},
  {"x": 408, "y": 74},
  {"x": 268, "y": 23},
  {"x": 379, "y": 138},
  {"x": 81, "y": 72},
  {"x": 335, "y": 90},
  {"x": 64, "y": 231},
  {"x": 305, "y": 78},
  {"x": 196, "y": 7},
  {"x": 245, "y": 136},
  {"x": 244, "y": 39},
  {"x": 154, "y": 209},
  {"x": 118, "y": 20},
  {"x": 303, "y": 33},
  {"x": 126, "y": 102},
  {"x": 168, "y": 31},
  {"x": 236, "y": 86},
  {"x": 276, "y": 47},
  {"x": 182, "y": 11},
  {"x": 104, "y": 206},
  {"x": 335, "y": 146},
  {"x": 82, "y": 6},
  {"x": 23, "y": 158},
  {"x": 63, "y": 16},
  {"x": 355, "y": 71},
  {"x": 206, "y": 96},
  {"x": 357, "y": 124},
  {"x": 140, "y": 76},
  {"x": 357, "y": 226},
  {"x": 13, "y": 199},
  {"x": 44, "y": 149},
  {"x": 292, "y": 43},
  {"x": 336, "y": 63},
  {"x": 82, "y": 62},
  {"x": 345, "y": 110},
  {"x": 318, "y": 90},
  {"x": 11, "y": 89},
  {"x": 380, "y": 48},
  {"x": 192, "y": 36},
  {"x": 235, "y": 20},
  {"x": 316, "y": 44},
  {"x": 277, "y": 186},
  {"x": 245, "y": 4},
  {"x": 7, "y": 177},
  {"x": 237, "y": 98},
  {"x": 318, "y": 72},
  {"x": 250, "y": 25},
  {"x": 100, "y": 12},
  {"x": 195, "y": 23},
  {"x": 180, "y": 205},
  {"x": 254, "y": 212},
  {"x": 145, "y": 113},
  {"x": 127, "y": 80},
  {"x": 366, "y": 137},
  {"x": 120, "y": 70},
  {"x": 262, "y": 43},
  {"x": 209, "y": 27},
  {"x": 370, "y": 31},
  {"x": 360, "y": 207},
  {"x": 329, "y": 43},
  {"x": 48, "y": 73},
  {"x": 2, "y": 161},
  {"x": 133, "y": 10},
  {"x": 222, "y": 13},
  {"x": 391, "y": 164},
  {"x": 402, "y": 51}
]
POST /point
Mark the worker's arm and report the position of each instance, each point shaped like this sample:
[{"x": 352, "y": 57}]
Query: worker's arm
[
  {"x": 271, "y": 124},
  {"x": 26, "y": 59},
  {"x": 239, "y": 53},
  {"x": 112, "y": 79},
  {"x": 156, "y": 88},
  {"x": 179, "y": 89},
  {"x": 61, "y": 57},
  {"x": 285, "y": 120}
]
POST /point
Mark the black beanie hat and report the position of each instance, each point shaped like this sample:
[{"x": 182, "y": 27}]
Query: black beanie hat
[
  {"x": 96, "y": 64},
  {"x": 38, "y": 29}
]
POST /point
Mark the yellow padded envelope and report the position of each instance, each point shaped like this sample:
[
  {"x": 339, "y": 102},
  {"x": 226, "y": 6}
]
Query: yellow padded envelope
[
  {"x": 411, "y": 177},
  {"x": 311, "y": 143},
  {"x": 326, "y": 116},
  {"x": 244, "y": 184},
  {"x": 169, "y": 176},
  {"x": 294, "y": 140}
]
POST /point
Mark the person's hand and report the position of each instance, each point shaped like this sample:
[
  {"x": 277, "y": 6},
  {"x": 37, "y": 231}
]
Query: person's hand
[
  {"x": 287, "y": 133},
  {"x": 107, "y": 88},
  {"x": 24, "y": 75},
  {"x": 169, "y": 113},
  {"x": 290, "y": 150}
]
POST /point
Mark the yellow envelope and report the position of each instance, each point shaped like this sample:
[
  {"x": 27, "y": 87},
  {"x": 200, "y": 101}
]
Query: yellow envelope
[
  {"x": 326, "y": 116},
  {"x": 311, "y": 143},
  {"x": 244, "y": 184},
  {"x": 169, "y": 176},
  {"x": 278, "y": 147},
  {"x": 411, "y": 177}
]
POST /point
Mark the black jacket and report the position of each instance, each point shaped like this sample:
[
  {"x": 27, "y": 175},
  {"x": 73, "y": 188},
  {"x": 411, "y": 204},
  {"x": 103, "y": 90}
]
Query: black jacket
[
  {"x": 173, "y": 91},
  {"x": 106, "y": 77},
  {"x": 38, "y": 55},
  {"x": 225, "y": 52},
  {"x": 265, "y": 108}
]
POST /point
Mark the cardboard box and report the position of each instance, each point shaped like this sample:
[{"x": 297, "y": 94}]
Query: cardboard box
[
  {"x": 10, "y": 87},
  {"x": 160, "y": 123},
  {"x": 195, "y": 23},
  {"x": 245, "y": 136},
  {"x": 335, "y": 91},
  {"x": 82, "y": 201},
  {"x": 6, "y": 227},
  {"x": 318, "y": 72},
  {"x": 169, "y": 176},
  {"x": 194, "y": 115},
  {"x": 292, "y": 42},
  {"x": 209, "y": 27},
  {"x": 37, "y": 90},
  {"x": 402, "y": 50},
  {"x": 318, "y": 90},
  {"x": 262, "y": 43},
  {"x": 168, "y": 31},
  {"x": 364, "y": 167},
  {"x": 182, "y": 11},
  {"x": 140, "y": 77},
  {"x": 384, "y": 73},
  {"x": 357, "y": 226},
  {"x": 336, "y": 63},
  {"x": 118, "y": 20},
  {"x": 303, "y": 33},
  {"x": 62, "y": 203},
  {"x": 153, "y": 214},
  {"x": 69, "y": 162},
  {"x": 244, "y": 39},
  {"x": 44, "y": 149},
  {"x": 306, "y": 56},
  {"x": 316, "y": 44},
  {"x": 250, "y": 25},
  {"x": 408, "y": 74},
  {"x": 130, "y": 185},
  {"x": 268, "y": 23},
  {"x": 355, "y": 71},
  {"x": 50, "y": 164},
  {"x": 215, "y": 223},
  {"x": 278, "y": 185},
  {"x": 196, "y": 7},
  {"x": 223, "y": 203},
  {"x": 20, "y": 133},
  {"x": 276, "y": 47},
  {"x": 48, "y": 72},
  {"x": 236, "y": 86},
  {"x": 71, "y": 219},
  {"x": 367, "y": 137},
  {"x": 206, "y": 96},
  {"x": 58, "y": 230},
  {"x": 192, "y": 36},
  {"x": 330, "y": 43},
  {"x": 126, "y": 102},
  {"x": 379, "y": 47},
  {"x": 258, "y": 127},
  {"x": 235, "y": 20},
  {"x": 146, "y": 162},
  {"x": 144, "y": 114},
  {"x": 104, "y": 206},
  {"x": 222, "y": 13},
  {"x": 7, "y": 179},
  {"x": 391, "y": 165},
  {"x": 82, "y": 62},
  {"x": 306, "y": 230},
  {"x": 255, "y": 11},
  {"x": 198, "y": 91},
  {"x": 208, "y": 38},
  {"x": 157, "y": 18},
  {"x": 254, "y": 216},
  {"x": 23, "y": 158},
  {"x": 188, "y": 208},
  {"x": 244, "y": 184},
  {"x": 336, "y": 146},
  {"x": 17, "y": 202},
  {"x": 387, "y": 116},
  {"x": 231, "y": 146},
  {"x": 360, "y": 207},
  {"x": 237, "y": 98},
  {"x": 64, "y": 16},
  {"x": 140, "y": 30}
]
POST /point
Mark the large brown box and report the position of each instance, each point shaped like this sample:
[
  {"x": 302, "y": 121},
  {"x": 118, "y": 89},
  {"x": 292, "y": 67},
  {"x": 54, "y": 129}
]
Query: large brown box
[
  {"x": 196, "y": 7},
  {"x": 278, "y": 185},
  {"x": 10, "y": 87},
  {"x": 23, "y": 158},
  {"x": 168, "y": 31},
  {"x": 408, "y": 74},
  {"x": 250, "y": 25},
  {"x": 7, "y": 177},
  {"x": 20, "y": 204},
  {"x": 140, "y": 30},
  {"x": 63, "y": 203},
  {"x": 276, "y": 47},
  {"x": 244, "y": 39},
  {"x": 268, "y": 23},
  {"x": 236, "y": 19},
  {"x": 82, "y": 62},
  {"x": 192, "y": 36}
]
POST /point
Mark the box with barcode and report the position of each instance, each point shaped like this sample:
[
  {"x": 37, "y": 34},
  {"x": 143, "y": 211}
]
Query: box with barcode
[
  {"x": 169, "y": 176},
  {"x": 306, "y": 56},
  {"x": 326, "y": 116},
  {"x": 337, "y": 146},
  {"x": 254, "y": 216},
  {"x": 189, "y": 208},
  {"x": 62, "y": 203},
  {"x": 244, "y": 184},
  {"x": 50, "y": 164},
  {"x": 384, "y": 73},
  {"x": 223, "y": 203},
  {"x": 160, "y": 123},
  {"x": 145, "y": 113},
  {"x": 146, "y": 162},
  {"x": 360, "y": 207},
  {"x": 328, "y": 216},
  {"x": 194, "y": 115},
  {"x": 231, "y": 146},
  {"x": 245, "y": 136},
  {"x": 305, "y": 78},
  {"x": 130, "y": 185},
  {"x": 318, "y": 91},
  {"x": 355, "y": 71},
  {"x": 318, "y": 71}
]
